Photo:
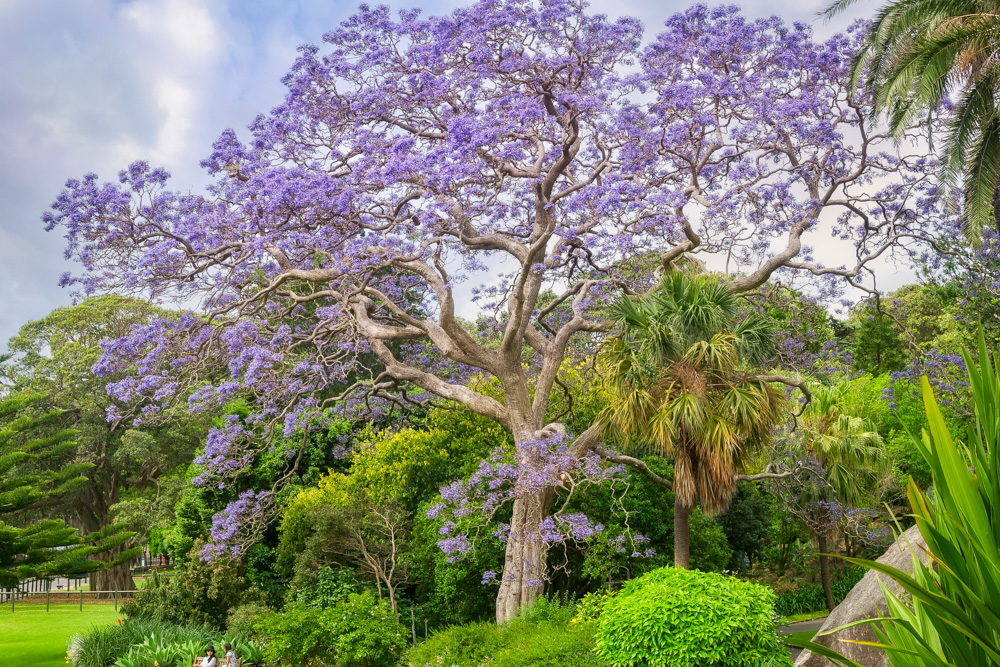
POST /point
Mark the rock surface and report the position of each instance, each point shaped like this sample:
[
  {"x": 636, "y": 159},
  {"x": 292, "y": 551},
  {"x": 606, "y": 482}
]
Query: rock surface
[{"x": 864, "y": 601}]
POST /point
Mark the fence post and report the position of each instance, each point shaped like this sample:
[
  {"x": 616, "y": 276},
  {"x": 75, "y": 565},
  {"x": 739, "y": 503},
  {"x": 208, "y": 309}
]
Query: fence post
[
  {"x": 116, "y": 600},
  {"x": 46, "y": 600},
  {"x": 413, "y": 626},
  {"x": 12, "y": 600},
  {"x": 81, "y": 599}
]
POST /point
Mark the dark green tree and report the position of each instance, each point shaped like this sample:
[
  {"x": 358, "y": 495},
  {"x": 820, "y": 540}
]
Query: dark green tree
[
  {"x": 40, "y": 547},
  {"x": 56, "y": 356}
]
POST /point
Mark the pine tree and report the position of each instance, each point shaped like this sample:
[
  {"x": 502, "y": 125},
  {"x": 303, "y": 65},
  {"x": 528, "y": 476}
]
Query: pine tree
[{"x": 42, "y": 547}]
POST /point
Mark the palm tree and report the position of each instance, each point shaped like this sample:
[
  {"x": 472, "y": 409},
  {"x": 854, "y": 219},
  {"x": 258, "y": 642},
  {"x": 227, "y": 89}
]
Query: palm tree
[
  {"x": 677, "y": 374},
  {"x": 916, "y": 56},
  {"x": 852, "y": 455}
]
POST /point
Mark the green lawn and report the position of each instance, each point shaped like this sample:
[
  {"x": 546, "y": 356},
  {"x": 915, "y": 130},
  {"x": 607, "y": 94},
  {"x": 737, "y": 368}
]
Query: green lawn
[{"x": 34, "y": 638}]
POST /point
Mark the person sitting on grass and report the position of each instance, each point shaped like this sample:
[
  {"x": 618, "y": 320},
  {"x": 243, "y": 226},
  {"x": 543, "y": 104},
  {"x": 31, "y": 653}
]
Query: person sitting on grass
[
  {"x": 230, "y": 655},
  {"x": 209, "y": 659}
]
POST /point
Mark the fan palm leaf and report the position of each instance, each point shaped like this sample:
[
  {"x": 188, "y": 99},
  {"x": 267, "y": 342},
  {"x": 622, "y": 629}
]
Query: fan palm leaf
[{"x": 674, "y": 372}]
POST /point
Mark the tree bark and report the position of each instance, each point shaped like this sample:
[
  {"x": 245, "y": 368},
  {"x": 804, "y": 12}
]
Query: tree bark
[
  {"x": 824, "y": 572},
  {"x": 117, "y": 578},
  {"x": 682, "y": 535},
  {"x": 526, "y": 560}
]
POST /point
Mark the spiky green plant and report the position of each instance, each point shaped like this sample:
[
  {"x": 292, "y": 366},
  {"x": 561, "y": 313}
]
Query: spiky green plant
[{"x": 949, "y": 613}]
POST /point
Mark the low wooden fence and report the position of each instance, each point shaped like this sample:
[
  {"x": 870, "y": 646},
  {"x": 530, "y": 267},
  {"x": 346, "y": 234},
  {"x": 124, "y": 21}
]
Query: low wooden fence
[{"x": 15, "y": 599}]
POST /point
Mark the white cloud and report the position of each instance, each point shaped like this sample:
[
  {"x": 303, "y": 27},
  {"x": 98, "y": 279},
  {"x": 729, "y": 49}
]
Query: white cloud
[{"x": 186, "y": 29}]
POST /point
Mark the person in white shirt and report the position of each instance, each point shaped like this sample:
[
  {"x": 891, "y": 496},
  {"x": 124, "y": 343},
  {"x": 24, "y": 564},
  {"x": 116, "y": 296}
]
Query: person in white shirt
[{"x": 209, "y": 659}]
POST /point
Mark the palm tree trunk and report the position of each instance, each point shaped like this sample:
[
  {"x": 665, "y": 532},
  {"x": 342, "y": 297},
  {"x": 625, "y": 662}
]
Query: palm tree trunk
[
  {"x": 682, "y": 535},
  {"x": 824, "y": 573}
]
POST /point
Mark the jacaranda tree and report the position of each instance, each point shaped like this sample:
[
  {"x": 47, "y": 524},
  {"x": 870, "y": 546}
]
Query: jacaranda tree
[{"x": 507, "y": 150}]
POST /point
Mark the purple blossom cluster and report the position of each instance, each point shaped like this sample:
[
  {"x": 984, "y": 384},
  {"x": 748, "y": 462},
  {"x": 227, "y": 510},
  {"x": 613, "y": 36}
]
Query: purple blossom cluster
[
  {"x": 540, "y": 465},
  {"x": 237, "y": 525}
]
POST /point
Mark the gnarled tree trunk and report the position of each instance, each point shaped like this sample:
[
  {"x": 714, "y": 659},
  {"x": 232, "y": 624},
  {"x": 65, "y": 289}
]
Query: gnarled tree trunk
[
  {"x": 119, "y": 578},
  {"x": 116, "y": 579},
  {"x": 526, "y": 560}
]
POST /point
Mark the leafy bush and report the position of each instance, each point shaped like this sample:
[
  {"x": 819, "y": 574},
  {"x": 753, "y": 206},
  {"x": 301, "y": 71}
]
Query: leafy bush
[
  {"x": 329, "y": 588},
  {"x": 242, "y": 619},
  {"x": 685, "y": 618},
  {"x": 102, "y": 646},
  {"x": 810, "y": 597},
  {"x": 157, "y": 601},
  {"x": 209, "y": 588},
  {"x": 296, "y": 635},
  {"x": 590, "y": 607},
  {"x": 362, "y": 631},
  {"x": 367, "y": 632},
  {"x": 462, "y": 645},
  {"x": 548, "y": 644},
  {"x": 201, "y": 594},
  {"x": 544, "y": 636}
]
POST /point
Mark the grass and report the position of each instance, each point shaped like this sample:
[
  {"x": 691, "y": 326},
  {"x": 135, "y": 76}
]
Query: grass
[
  {"x": 34, "y": 638},
  {"x": 798, "y": 618}
]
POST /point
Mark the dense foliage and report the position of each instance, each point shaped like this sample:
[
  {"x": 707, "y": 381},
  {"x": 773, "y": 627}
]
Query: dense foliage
[
  {"x": 946, "y": 613},
  {"x": 414, "y": 155},
  {"x": 497, "y": 315},
  {"x": 687, "y": 618},
  {"x": 546, "y": 636},
  {"x": 360, "y": 631}
]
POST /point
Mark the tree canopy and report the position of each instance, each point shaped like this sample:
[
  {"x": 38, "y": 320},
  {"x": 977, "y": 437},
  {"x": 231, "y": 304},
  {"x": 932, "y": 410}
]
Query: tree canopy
[{"x": 513, "y": 148}]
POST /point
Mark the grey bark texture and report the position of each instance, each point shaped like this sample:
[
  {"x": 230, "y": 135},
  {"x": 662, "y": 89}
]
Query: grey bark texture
[{"x": 864, "y": 601}]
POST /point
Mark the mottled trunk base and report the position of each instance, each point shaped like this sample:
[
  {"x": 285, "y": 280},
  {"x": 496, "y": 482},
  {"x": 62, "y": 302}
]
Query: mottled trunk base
[{"x": 526, "y": 560}]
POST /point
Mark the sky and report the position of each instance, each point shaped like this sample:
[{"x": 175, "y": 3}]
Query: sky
[{"x": 92, "y": 85}]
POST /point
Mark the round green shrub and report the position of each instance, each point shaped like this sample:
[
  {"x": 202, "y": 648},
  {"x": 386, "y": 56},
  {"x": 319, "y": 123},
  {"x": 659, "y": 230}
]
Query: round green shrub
[
  {"x": 368, "y": 633},
  {"x": 684, "y": 618}
]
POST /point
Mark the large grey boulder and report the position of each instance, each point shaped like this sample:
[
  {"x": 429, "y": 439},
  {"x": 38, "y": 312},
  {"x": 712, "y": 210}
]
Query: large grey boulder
[{"x": 864, "y": 601}]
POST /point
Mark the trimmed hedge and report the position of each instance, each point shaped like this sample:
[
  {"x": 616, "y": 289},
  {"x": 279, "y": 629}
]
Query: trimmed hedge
[{"x": 684, "y": 618}]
